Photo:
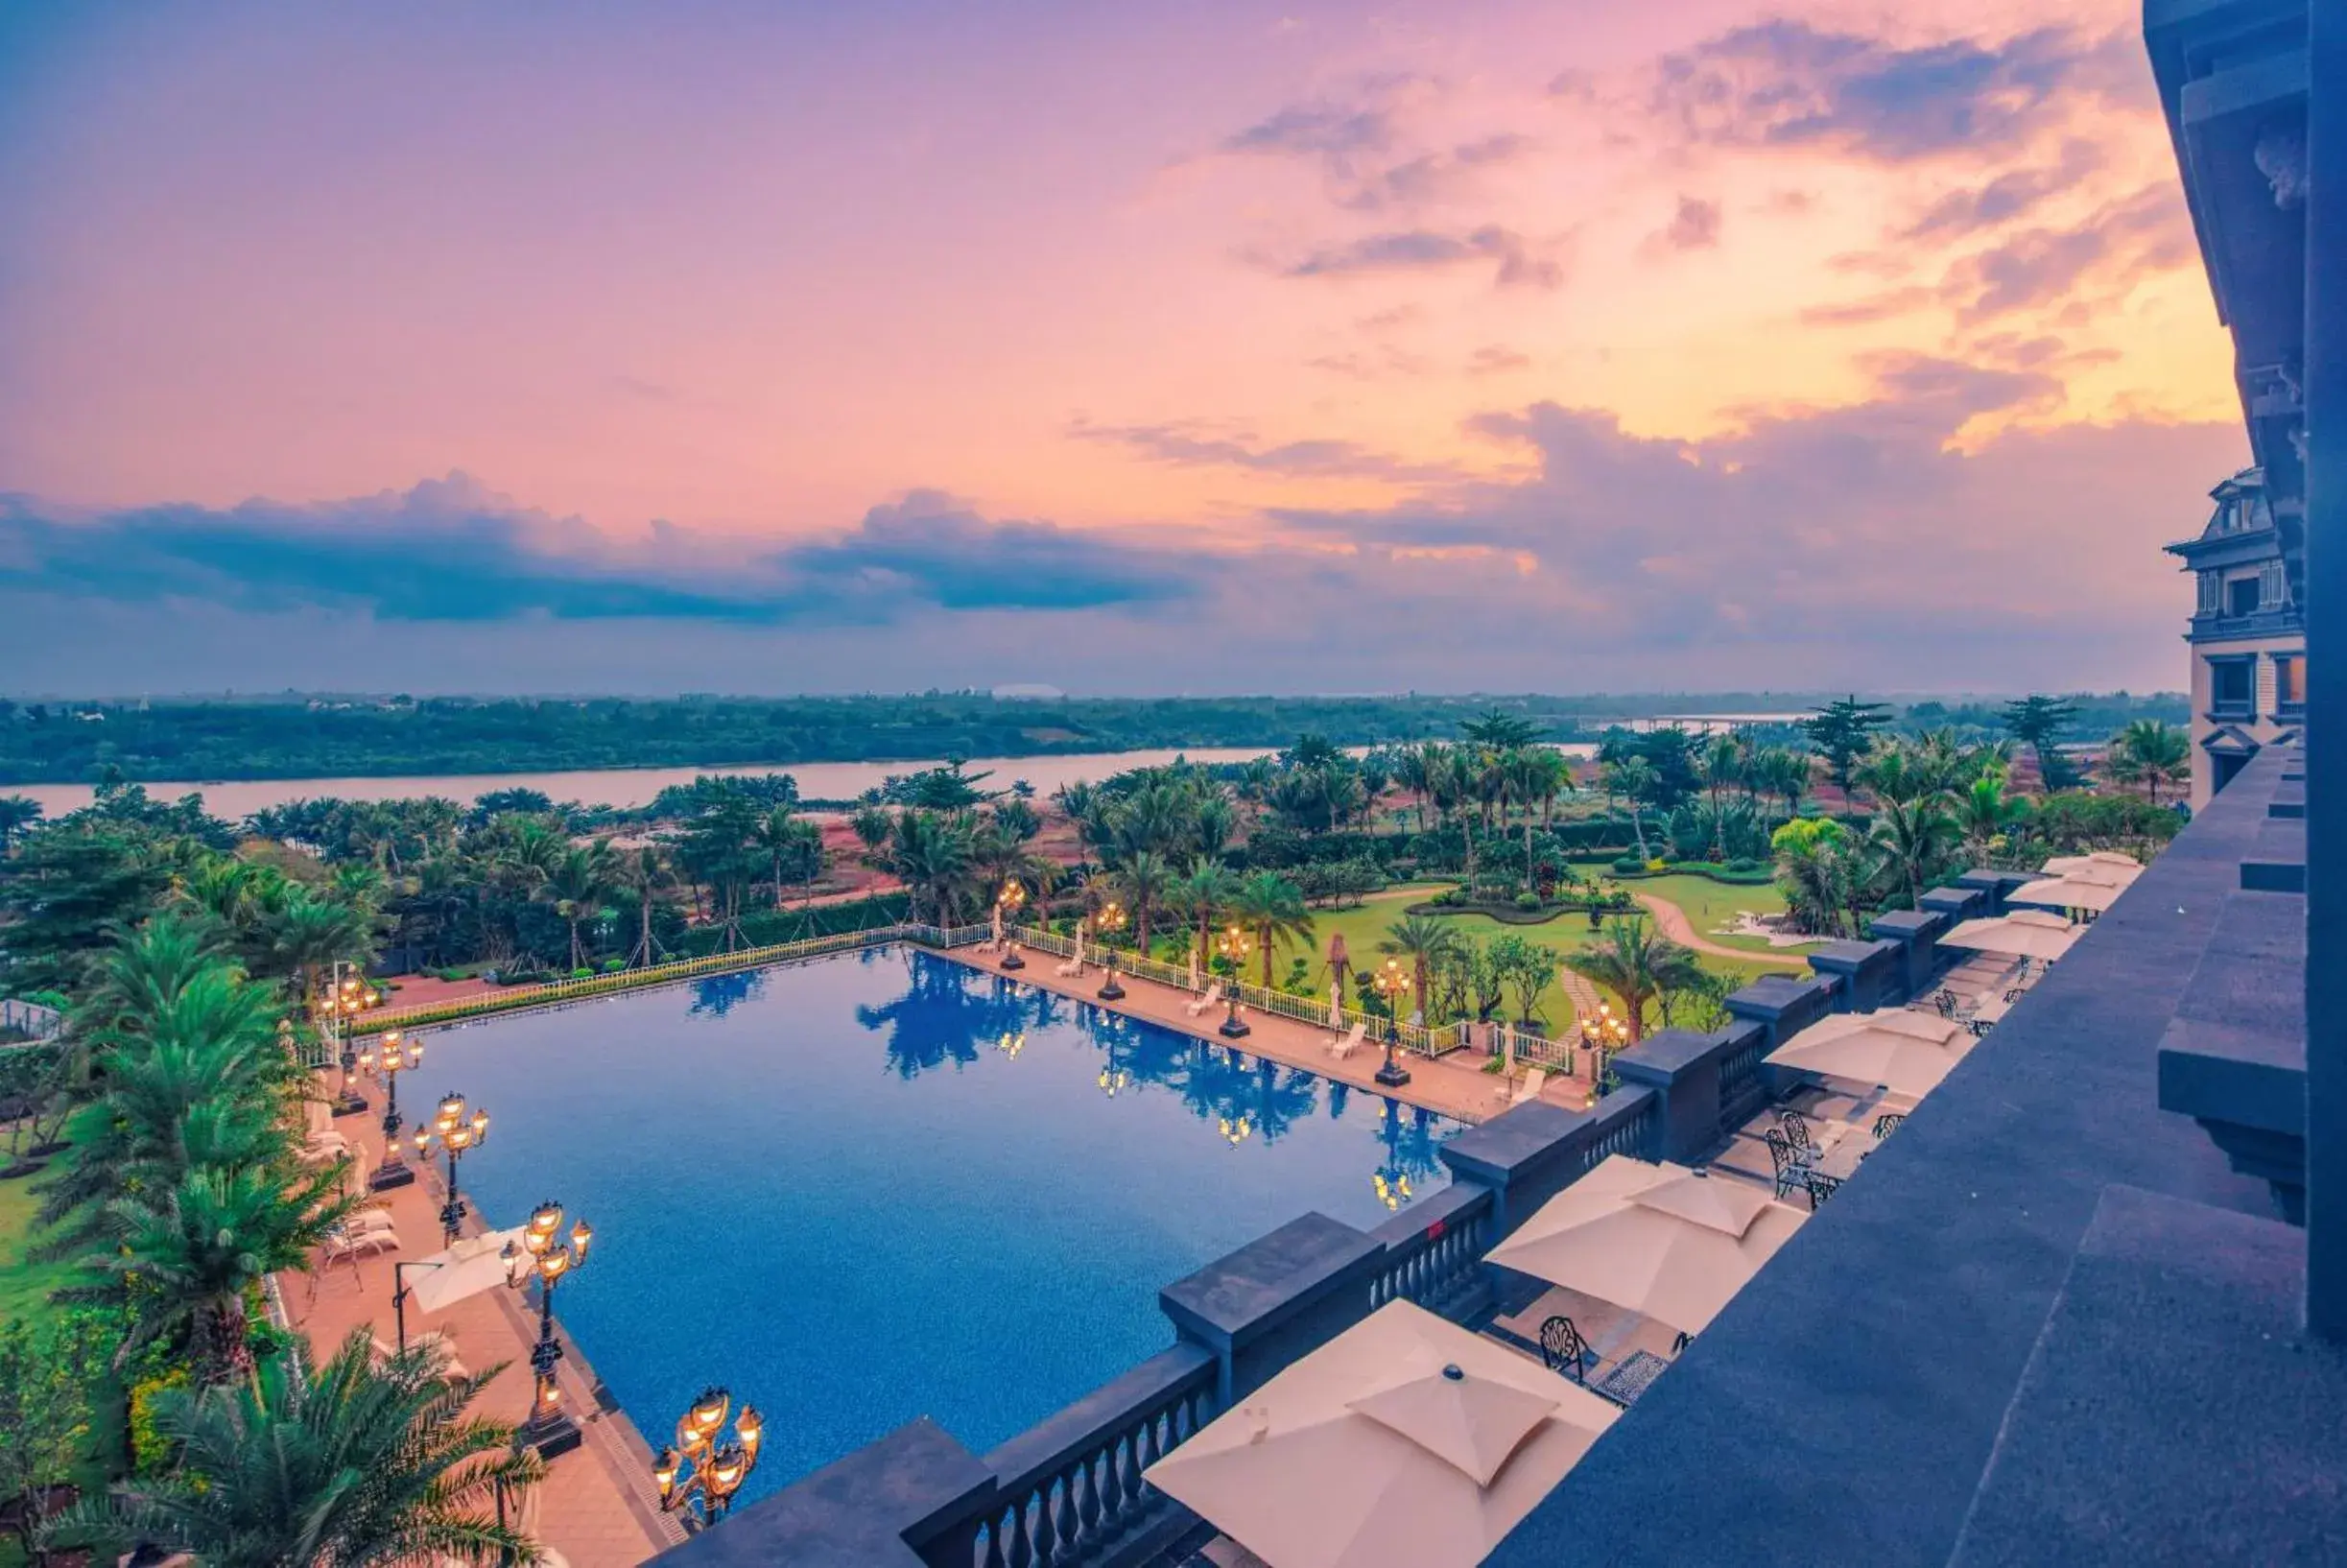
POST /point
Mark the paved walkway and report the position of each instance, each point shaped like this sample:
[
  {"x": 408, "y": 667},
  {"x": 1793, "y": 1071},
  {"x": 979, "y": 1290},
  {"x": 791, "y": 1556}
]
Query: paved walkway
[
  {"x": 1672, "y": 921},
  {"x": 1454, "y": 1084},
  {"x": 598, "y": 1508}
]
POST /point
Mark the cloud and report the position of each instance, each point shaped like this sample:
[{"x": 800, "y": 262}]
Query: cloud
[
  {"x": 2012, "y": 194},
  {"x": 1497, "y": 359},
  {"x": 1784, "y": 84},
  {"x": 450, "y": 551},
  {"x": 1432, "y": 177},
  {"x": 1694, "y": 227},
  {"x": 1520, "y": 262},
  {"x": 2142, "y": 233},
  {"x": 1192, "y": 445},
  {"x": 1873, "y": 307}
]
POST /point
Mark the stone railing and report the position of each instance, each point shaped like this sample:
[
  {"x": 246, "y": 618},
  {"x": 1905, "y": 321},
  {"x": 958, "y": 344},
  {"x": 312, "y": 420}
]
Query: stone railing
[
  {"x": 1418, "y": 1038},
  {"x": 1434, "y": 1251},
  {"x": 1070, "y": 1490}
]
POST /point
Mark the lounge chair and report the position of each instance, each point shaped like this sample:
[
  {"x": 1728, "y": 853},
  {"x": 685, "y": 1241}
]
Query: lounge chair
[
  {"x": 456, "y": 1367},
  {"x": 1071, "y": 967},
  {"x": 1204, "y": 1000},
  {"x": 1534, "y": 1082},
  {"x": 1344, "y": 1048}
]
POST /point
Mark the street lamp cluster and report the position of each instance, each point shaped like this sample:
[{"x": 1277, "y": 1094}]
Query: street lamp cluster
[
  {"x": 386, "y": 1057},
  {"x": 454, "y": 1132},
  {"x": 551, "y": 1257},
  {"x": 699, "y": 1474},
  {"x": 1109, "y": 920},
  {"x": 1232, "y": 947},
  {"x": 1604, "y": 1033},
  {"x": 1007, "y": 905},
  {"x": 344, "y": 1000},
  {"x": 1393, "y": 984}
]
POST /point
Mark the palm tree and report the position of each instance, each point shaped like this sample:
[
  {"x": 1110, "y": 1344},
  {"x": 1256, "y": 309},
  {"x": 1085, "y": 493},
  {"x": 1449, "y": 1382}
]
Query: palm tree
[
  {"x": 186, "y": 1257},
  {"x": 930, "y": 853},
  {"x": 1635, "y": 964},
  {"x": 1915, "y": 835},
  {"x": 1424, "y": 941},
  {"x": 872, "y": 826},
  {"x": 1782, "y": 772},
  {"x": 777, "y": 833},
  {"x": 2155, "y": 752},
  {"x": 1208, "y": 887},
  {"x": 308, "y": 935},
  {"x": 577, "y": 884},
  {"x": 1984, "y": 812},
  {"x": 1146, "y": 877},
  {"x": 359, "y": 1461},
  {"x": 644, "y": 876},
  {"x": 1272, "y": 908},
  {"x": 1634, "y": 779},
  {"x": 17, "y": 813}
]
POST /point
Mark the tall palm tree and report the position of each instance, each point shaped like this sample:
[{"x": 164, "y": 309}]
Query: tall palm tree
[
  {"x": 577, "y": 884},
  {"x": 1915, "y": 835},
  {"x": 1206, "y": 889},
  {"x": 1271, "y": 908},
  {"x": 186, "y": 1257},
  {"x": 1424, "y": 941},
  {"x": 1633, "y": 778},
  {"x": 359, "y": 1461},
  {"x": 1985, "y": 811},
  {"x": 1637, "y": 965},
  {"x": 308, "y": 935},
  {"x": 931, "y": 854},
  {"x": 1146, "y": 877},
  {"x": 2155, "y": 752},
  {"x": 641, "y": 876},
  {"x": 777, "y": 833}
]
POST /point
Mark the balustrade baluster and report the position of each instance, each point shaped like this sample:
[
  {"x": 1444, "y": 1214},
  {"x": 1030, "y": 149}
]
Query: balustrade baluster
[
  {"x": 990, "y": 1543},
  {"x": 1135, "y": 1464},
  {"x": 1088, "y": 1507},
  {"x": 1022, "y": 1550},
  {"x": 1068, "y": 1522},
  {"x": 1047, "y": 1524}
]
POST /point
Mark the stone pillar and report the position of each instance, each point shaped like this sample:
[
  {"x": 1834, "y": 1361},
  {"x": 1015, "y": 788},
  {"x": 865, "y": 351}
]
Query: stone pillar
[
  {"x": 1682, "y": 1068},
  {"x": 1917, "y": 934},
  {"x": 1861, "y": 972},
  {"x": 1276, "y": 1299}
]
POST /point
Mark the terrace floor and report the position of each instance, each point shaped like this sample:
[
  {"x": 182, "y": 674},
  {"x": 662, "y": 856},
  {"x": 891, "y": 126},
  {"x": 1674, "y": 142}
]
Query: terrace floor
[
  {"x": 1454, "y": 1084},
  {"x": 598, "y": 1508}
]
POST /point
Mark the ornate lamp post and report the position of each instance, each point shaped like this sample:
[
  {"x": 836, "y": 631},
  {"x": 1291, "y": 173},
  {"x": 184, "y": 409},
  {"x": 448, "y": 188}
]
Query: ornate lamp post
[
  {"x": 549, "y": 1257},
  {"x": 1603, "y": 1035},
  {"x": 1232, "y": 946},
  {"x": 1107, "y": 922},
  {"x": 454, "y": 1132},
  {"x": 1392, "y": 983},
  {"x": 1007, "y": 905},
  {"x": 699, "y": 1474},
  {"x": 387, "y": 1056}
]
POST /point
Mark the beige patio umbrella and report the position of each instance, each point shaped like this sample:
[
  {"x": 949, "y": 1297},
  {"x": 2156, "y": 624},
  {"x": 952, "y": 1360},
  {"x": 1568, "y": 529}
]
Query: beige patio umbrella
[
  {"x": 472, "y": 1265},
  {"x": 2079, "y": 891},
  {"x": 1661, "y": 1240},
  {"x": 1405, "y": 1439},
  {"x": 2030, "y": 933},
  {"x": 1907, "y": 1053},
  {"x": 2102, "y": 865},
  {"x": 1336, "y": 1009}
]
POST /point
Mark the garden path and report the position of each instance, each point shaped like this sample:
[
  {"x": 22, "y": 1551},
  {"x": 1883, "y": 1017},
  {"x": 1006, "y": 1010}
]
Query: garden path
[{"x": 1672, "y": 921}]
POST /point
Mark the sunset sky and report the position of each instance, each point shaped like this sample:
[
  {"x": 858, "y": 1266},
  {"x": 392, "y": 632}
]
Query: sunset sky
[{"x": 1216, "y": 346}]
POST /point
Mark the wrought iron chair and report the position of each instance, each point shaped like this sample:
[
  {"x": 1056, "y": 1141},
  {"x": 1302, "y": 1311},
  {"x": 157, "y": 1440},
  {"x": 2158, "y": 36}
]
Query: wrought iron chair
[
  {"x": 1977, "y": 1027},
  {"x": 2015, "y": 993},
  {"x": 1789, "y": 1167},
  {"x": 1563, "y": 1349},
  {"x": 1944, "y": 1000},
  {"x": 1887, "y": 1122},
  {"x": 1796, "y": 1131},
  {"x": 1820, "y": 1188}
]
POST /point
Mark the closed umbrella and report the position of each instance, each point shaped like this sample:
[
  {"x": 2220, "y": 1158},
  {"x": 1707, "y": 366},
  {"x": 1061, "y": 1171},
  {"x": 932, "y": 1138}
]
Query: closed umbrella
[
  {"x": 2077, "y": 891},
  {"x": 1196, "y": 980},
  {"x": 1405, "y": 1439},
  {"x": 1661, "y": 1240},
  {"x": 2030, "y": 933},
  {"x": 1907, "y": 1053},
  {"x": 1335, "y": 1008}
]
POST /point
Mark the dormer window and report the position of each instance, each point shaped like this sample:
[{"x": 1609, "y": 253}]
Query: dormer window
[{"x": 2242, "y": 595}]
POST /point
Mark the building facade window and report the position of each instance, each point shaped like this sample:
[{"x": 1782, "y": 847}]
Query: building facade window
[
  {"x": 2243, "y": 594},
  {"x": 2212, "y": 592},
  {"x": 2232, "y": 687},
  {"x": 2273, "y": 588},
  {"x": 2289, "y": 685}
]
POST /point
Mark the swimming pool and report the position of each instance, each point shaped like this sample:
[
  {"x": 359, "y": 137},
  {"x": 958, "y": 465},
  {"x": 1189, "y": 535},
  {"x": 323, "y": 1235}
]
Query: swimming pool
[{"x": 884, "y": 1185}]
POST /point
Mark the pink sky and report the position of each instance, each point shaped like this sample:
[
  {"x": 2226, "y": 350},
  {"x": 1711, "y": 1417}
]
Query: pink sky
[{"x": 1310, "y": 347}]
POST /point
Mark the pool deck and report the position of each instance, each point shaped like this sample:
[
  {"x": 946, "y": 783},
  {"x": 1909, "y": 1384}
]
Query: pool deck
[
  {"x": 598, "y": 1508},
  {"x": 1453, "y": 1086}
]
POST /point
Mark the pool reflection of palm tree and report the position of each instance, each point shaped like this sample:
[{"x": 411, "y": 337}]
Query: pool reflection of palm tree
[
  {"x": 720, "y": 994},
  {"x": 946, "y": 1013},
  {"x": 1230, "y": 1089},
  {"x": 1412, "y": 1152}
]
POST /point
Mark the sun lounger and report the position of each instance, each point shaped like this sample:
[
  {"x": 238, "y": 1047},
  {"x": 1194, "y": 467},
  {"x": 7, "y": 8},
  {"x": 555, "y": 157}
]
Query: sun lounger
[
  {"x": 1212, "y": 996},
  {"x": 433, "y": 1338},
  {"x": 1341, "y": 1049},
  {"x": 1534, "y": 1080}
]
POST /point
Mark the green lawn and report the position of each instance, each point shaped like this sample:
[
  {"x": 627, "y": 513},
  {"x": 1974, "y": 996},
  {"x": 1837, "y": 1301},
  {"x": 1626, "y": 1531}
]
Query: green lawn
[
  {"x": 1365, "y": 926},
  {"x": 24, "y": 1287},
  {"x": 1714, "y": 905}
]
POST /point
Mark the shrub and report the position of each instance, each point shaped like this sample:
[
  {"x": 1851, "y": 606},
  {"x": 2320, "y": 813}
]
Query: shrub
[
  {"x": 1527, "y": 900},
  {"x": 612, "y": 966},
  {"x": 1629, "y": 865},
  {"x": 1743, "y": 863},
  {"x": 150, "y": 1449}
]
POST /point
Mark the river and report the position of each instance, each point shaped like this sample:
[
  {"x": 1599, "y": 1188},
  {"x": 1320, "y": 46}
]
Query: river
[{"x": 636, "y": 786}]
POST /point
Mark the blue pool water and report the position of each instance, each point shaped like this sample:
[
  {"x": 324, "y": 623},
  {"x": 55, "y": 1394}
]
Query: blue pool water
[{"x": 833, "y": 1187}]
